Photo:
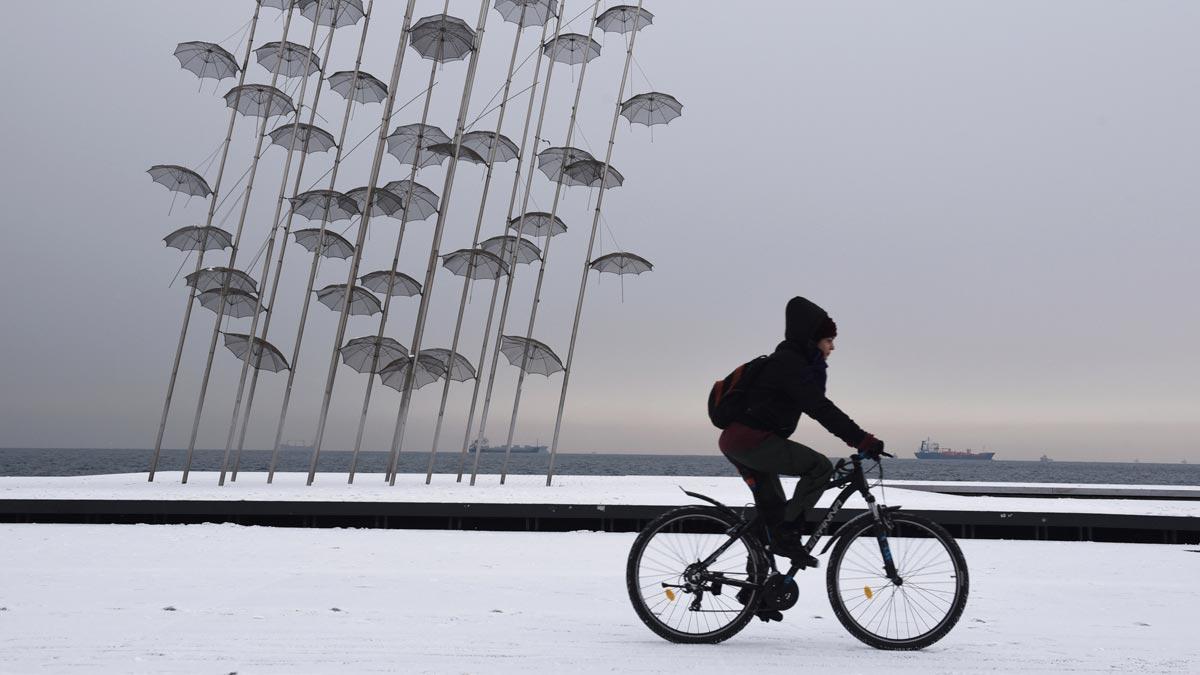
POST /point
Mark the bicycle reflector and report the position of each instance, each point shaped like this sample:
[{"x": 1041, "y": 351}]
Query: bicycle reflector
[
  {"x": 670, "y": 595},
  {"x": 867, "y": 592}
]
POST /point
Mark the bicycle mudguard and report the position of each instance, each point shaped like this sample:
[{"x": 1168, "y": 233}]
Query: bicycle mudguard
[
  {"x": 846, "y": 526},
  {"x": 712, "y": 501}
]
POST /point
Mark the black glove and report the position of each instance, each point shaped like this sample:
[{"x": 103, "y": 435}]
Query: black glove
[{"x": 870, "y": 447}]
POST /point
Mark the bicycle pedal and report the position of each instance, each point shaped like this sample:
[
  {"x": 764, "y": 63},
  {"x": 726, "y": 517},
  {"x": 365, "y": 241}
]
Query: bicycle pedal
[{"x": 769, "y": 615}]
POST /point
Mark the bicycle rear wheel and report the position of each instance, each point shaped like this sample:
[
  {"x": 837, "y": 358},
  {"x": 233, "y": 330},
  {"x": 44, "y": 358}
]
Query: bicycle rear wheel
[
  {"x": 679, "y": 598},
  {"x": 913, "y": 614}
]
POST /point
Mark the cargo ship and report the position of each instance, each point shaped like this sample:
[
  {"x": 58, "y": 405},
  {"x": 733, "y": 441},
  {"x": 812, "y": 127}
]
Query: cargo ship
[
  {"x": 526, "y": 449},
  {"x": 931, "y": 450}
]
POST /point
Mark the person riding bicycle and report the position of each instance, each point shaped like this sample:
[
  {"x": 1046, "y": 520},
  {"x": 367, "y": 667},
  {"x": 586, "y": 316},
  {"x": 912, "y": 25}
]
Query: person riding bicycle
[{"x": 791, "y": 383}]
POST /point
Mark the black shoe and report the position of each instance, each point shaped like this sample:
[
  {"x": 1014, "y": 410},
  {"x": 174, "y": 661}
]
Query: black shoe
[
  {"x": 787, "y": 540},
  {"x": 769, "y": 615}
]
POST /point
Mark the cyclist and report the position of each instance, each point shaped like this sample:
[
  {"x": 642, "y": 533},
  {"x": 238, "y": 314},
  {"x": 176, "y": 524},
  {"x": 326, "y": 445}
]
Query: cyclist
[{"x": 791, "y": 382}]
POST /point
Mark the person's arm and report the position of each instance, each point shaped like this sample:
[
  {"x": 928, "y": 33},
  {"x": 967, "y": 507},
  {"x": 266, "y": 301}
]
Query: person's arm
[{"x": 808, "y": 391}]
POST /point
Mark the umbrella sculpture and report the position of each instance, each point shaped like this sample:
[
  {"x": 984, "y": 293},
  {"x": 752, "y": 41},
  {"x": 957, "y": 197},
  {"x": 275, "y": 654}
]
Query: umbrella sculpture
[
  {"x": 593, "y": 173},
  {"x": 640, "y": 18},
  {"x": 526, "y": 13},
  {"x": 485, "y": 142},
  {"x": 573, "y": 49},
  {"x": 535, "y": 357},
  {"x": 211, "y": 278},
  {"x": 262, "y": 355},
  {"x": 329, "y": 205},
  {"x": 197, "y": 238},
  {"x": 502, "y": 247},
  {"x": 624, "y": 19},
  {"x": 362, "y": 301},
  {"x": 206, "y": 60},
  {"x": 364, "y": 353},
  {"x": 328, "y": 244},
  {"x": 178, "y": 179},
  {"x": 288, "y": 59},
  {"x": 439, "y": 231},
  {"x": 238, "y": 304},
  {"x": 429, "y": 370},
  {"x": 552, "y": 160},
  {"x": 401, "y": 285},
  {"x": 538, "y": 224},
  {"x": 475, "y": 263},
  {"x": 386, "y": 203},
  {"x": 442, "y": 38},
  {"x": 346, "y": 11},
  {"x": 491, "y": 147},
  {"x": 410, "y": 144},
  {"x": 303, "y": 137},
  {"x": 259, "y": 100},
  {"x": 447, "y": 150},
  {"x": 459, "y": 367},
  {"x": 317, "y": 16},
  {"x": 212, "y": 207},
  {"x": 419, "y": 200},
  {"x": 331, "y": 13},
  {"x": 361, "y": 87},
  {"x": 621, "y": 263},
  {"x": 651, "y": 108}
]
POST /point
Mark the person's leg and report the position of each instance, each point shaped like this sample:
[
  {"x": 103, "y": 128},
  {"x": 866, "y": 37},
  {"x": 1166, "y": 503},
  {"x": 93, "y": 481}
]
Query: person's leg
[
  {"x": 782, "y": 456},
  {"x": 769, "y": 498}
]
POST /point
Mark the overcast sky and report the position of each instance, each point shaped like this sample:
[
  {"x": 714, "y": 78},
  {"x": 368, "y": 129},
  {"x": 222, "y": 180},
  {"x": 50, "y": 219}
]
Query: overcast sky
[{"x": 996, "y": 201}]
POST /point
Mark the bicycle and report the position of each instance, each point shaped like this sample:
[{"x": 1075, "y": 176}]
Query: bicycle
[{"x": 895, "y": 580}]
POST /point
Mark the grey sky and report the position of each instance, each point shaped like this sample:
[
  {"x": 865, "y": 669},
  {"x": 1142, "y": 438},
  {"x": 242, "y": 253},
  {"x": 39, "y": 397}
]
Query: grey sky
[{"x": 995, "y": 200}]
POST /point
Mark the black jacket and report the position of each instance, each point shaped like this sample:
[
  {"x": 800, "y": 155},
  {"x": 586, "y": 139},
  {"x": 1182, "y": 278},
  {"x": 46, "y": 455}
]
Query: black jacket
[{"x": 792, "y": 382}]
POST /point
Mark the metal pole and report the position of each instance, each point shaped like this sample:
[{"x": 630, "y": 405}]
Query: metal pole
[
  {"x": 512, "y": 265},
  {"x": 212, "y": 208},
  {"x": 537, "y": 291},
  {"x": 487, "y": 185},
  {"x": 431, "y": 267},
  {"x": 587, "y": 259},
  {"x": 266, "y": 266},
  {"x": 337, "y": 161},
  {"x": 387, "y": 300},
  {"x": 291, "y": 215},
  {"x": 212, "y": 345},
  {"x": 512, "y": 270},
  {"x": 376, "y": 162}
]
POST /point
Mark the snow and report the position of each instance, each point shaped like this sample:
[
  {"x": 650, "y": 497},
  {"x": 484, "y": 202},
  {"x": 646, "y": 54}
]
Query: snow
[
  {"x": 224, "y": 598},
  {"x": 599, "y": 490}
]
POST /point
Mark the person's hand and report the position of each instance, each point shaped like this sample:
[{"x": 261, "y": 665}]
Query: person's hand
[{"x": 871, "y": 447}]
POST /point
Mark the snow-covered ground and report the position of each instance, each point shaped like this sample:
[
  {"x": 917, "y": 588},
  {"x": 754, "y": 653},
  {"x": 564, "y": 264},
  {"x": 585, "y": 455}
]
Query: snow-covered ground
[
  {"x": 599, "y": 490},
  {"x": 224, "y": 598}
]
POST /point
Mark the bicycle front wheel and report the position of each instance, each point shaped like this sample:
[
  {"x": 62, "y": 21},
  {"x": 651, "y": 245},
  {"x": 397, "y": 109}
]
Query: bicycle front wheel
[
  {"x": 913, "y": 614},
  {"x": 678, "y": 596}
]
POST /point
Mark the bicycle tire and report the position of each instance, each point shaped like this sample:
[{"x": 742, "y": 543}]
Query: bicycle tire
[
  {"x": 680, "y": 518},
  {"x": 921, "y": 600}
]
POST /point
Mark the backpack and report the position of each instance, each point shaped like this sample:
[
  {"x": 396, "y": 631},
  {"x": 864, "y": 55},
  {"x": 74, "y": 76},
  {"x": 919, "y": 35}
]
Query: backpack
[{"x": 727, "y": 398}]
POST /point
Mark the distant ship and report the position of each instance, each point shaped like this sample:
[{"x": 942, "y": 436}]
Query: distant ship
[
  {"x": 1045, "y": 459},
  {"x": 527, "y": 449},
  {"x": 931, "y": 450},
  {"x": 295, "y": 446}
]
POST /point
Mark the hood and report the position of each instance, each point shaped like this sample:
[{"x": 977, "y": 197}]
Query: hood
[{"x": 803, "y": 319}]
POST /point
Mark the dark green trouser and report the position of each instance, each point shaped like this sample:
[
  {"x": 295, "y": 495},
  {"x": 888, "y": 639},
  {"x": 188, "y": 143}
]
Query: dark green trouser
[{"x": 762, "y": 466}]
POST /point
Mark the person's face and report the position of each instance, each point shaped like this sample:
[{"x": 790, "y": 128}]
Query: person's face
[{"x": 826, "y": 347}]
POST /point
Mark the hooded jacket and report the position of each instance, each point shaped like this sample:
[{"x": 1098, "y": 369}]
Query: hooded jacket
[{"x": 792, "y": 382}]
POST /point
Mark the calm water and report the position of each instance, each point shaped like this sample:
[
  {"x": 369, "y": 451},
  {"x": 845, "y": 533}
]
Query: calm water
[{"x": 76, "y": 462}]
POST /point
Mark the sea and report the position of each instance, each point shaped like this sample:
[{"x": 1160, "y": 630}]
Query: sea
[{"x": 84, "y": 461}]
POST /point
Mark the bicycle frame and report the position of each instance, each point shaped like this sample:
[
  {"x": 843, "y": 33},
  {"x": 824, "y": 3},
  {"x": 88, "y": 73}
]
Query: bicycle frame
[{"x": 851, "y": 481}]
